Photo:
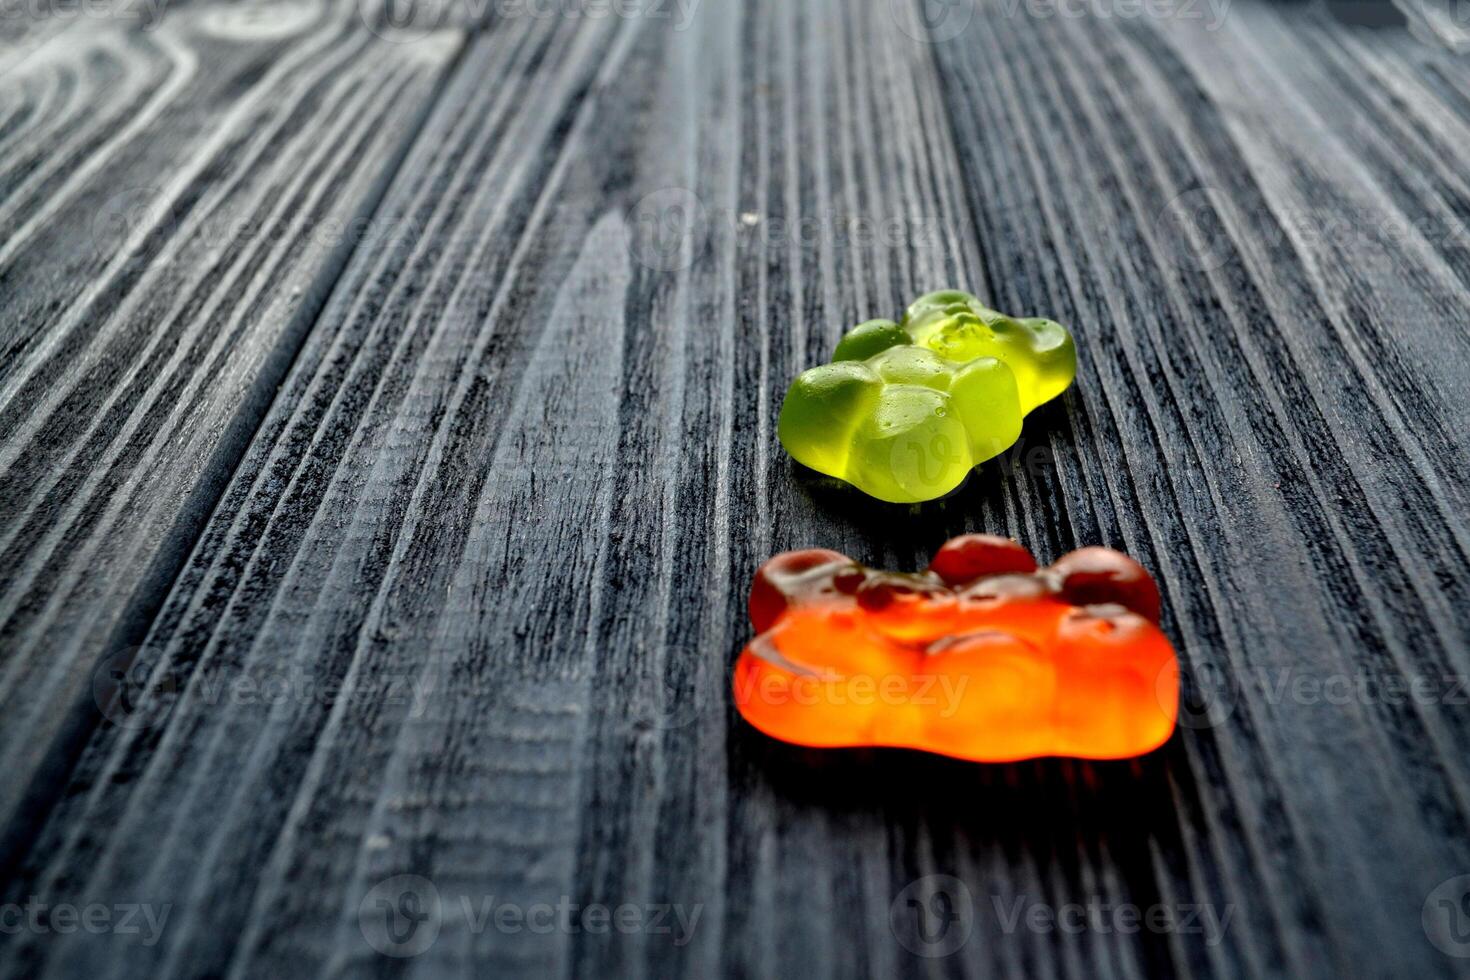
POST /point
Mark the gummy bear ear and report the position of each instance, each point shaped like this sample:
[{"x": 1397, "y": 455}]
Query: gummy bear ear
[
  {"x": 943, "y": 301},
  {"x": 970, "y": 556},
  {"x": 786, "y": 576},
  {"x": 869, "y": 338},
  {"x": 1092, "y": 576}
]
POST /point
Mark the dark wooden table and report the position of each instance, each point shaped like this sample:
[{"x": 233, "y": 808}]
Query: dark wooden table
[{"x": 386, "y": 444}]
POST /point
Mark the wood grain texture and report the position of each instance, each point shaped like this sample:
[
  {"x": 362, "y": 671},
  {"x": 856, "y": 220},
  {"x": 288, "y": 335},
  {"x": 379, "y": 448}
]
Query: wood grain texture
[
  {"x": 176, "y": 199},
  {"x": 466, "y": 607},
  {"x": 1290, "y": 443},
  {"x": 1438, "y": 22}
]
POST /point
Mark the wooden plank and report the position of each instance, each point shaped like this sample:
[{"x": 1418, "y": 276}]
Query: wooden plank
[
  {"x": 176, "y": 200},
  {"x": 405, "y": 351},
  {"x": 466, "y": 609},
  {"x": 415, "y": 476},
  {"x": 1222, "y": 214}
]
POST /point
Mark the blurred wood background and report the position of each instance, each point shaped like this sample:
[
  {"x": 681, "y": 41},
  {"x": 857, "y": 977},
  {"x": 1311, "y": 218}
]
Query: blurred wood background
[{"x": 386, "y": 443}]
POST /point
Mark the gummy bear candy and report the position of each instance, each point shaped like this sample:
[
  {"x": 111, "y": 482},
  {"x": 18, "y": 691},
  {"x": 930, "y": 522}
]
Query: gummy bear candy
[
  {"x": 982, "y": 657},
  {"x": 905, "y": 410}
]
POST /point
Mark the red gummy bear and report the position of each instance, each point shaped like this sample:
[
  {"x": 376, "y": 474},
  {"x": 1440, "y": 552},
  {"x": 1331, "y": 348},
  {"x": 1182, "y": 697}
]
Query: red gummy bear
[{"x": 982, "y": 657}]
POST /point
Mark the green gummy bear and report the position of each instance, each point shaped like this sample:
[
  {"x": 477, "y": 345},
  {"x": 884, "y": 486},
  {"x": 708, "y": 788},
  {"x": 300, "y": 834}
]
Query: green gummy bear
[{"x": 905, "y": 410}]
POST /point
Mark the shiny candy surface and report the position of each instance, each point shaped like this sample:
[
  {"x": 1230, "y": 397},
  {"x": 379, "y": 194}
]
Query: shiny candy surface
[
  {"x": 983, "y": 656},
  {"x": 906, "y": 409}
]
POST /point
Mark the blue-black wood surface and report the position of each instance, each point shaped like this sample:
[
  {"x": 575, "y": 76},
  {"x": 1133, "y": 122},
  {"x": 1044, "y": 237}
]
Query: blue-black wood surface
[{"x": 387, "y": 406}]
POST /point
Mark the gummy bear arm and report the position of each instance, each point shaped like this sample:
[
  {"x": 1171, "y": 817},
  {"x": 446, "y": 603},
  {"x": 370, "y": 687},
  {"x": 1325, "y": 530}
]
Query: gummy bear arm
[
  {"x": 1055, "y": 357},
  {"x": 988, "y": 401},
  {"x": 822, "y": 411}
]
